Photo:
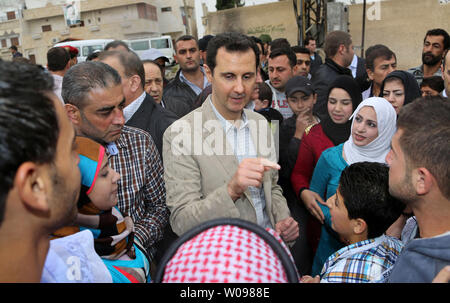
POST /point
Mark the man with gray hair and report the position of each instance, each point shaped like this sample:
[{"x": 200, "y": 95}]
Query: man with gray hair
[
  {"x": 140, "y": 110},
  {"x": 94, "y": 101}
]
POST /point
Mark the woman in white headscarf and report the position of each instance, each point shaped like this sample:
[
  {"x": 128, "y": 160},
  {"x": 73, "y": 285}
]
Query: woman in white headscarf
[{"x": 374, "y": 124}]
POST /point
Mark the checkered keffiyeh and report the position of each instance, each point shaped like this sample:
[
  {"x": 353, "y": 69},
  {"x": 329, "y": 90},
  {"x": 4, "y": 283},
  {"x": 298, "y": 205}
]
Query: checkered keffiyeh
[
  {"x": 226, "y": 254},
  {"x": 142, "y": 193}
]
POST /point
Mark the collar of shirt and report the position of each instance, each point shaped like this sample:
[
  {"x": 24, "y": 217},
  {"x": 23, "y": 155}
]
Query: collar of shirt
[
  {"x": 354, "y": 65},
  {"x": 444, "y": 94},
  {"x": 227, "y": 125},
  {"x": 194, "y": 87},
  {"x": 129, "y": 111}
]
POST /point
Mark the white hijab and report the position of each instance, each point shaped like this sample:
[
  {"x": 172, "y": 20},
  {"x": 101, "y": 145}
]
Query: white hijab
[{"x": 376, "y": 150}]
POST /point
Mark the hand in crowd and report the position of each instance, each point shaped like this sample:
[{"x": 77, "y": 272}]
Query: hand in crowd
[
  {"x": 443, "y": 276},
  {"x": 303, "y": 121},
  {"x": 309, "y": 279},
  {"x": 250, "y": 172},
  {"x": 287, "y": 229},
  {"x": 310, "y": 199}
]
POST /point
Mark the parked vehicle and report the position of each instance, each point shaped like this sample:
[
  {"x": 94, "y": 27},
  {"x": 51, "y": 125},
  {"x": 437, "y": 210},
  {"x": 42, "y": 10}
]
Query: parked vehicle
[
  {"x": 163, "y": 44},
  {"x": 86, "y": 47}
]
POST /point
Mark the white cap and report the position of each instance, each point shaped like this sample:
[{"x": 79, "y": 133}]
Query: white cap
[{"x": 152, "y": 54}]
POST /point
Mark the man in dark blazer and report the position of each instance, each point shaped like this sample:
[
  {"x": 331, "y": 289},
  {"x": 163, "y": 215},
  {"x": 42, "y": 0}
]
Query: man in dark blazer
[{"x": 140, "y": 110}]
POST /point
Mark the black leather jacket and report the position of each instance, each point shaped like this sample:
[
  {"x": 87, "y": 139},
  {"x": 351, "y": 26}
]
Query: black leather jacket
[{"x": 178, "y": 97}]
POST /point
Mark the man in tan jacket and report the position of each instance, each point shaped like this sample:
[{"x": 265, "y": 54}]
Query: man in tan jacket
[{"x": 220, "y": 160}]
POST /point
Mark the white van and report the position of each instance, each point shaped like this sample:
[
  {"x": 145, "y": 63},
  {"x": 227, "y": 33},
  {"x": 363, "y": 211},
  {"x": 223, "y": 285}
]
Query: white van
[
  {"x": 163, "y": 44},
  {"x": 86, "y": 47}
]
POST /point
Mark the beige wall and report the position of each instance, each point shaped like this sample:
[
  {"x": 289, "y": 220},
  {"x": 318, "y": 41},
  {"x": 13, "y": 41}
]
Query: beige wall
[
  {"x": 276, "y": 19},
  {"x": 402, "y": 27}
]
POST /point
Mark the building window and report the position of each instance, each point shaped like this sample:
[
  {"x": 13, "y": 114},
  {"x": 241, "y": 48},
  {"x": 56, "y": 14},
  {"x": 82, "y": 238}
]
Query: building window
[
  {"x": 46, "y": 28},
  {"x": 15, "y": 41},
  {"x": 147, "y": 11},
  {"x": 11, "y": 15},
  {"x": 3, "y": 42},
  {"x": 166, "y": 9}
]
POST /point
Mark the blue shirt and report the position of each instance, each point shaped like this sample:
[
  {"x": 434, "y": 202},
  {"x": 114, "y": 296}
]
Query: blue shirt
[
  {"x": 325, "y": 181},
  {"x": 194, "y": 87}
]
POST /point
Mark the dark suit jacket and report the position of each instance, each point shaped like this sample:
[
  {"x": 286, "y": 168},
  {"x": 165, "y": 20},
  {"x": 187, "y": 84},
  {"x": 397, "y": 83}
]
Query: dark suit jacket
[
  {"x": 154, "y": 119},
  {"x": 316, "y": 63},
  {"x": 361, "y": 75}
]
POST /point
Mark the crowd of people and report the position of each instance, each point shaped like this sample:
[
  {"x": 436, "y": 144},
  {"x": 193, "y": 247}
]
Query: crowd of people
[{"x": 260, "y": 161}]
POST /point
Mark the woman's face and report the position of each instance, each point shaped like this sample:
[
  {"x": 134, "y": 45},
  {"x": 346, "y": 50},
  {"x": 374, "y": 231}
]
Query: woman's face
[
  {"x": 340, "y": 106},
  {"x": 104, "y": 193},
  {"x": 365, "y": 126},
  {"x": 394, "y": 92}
]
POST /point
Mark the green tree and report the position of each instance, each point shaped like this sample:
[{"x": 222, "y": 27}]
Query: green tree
[{"x": 226, "y": 4}]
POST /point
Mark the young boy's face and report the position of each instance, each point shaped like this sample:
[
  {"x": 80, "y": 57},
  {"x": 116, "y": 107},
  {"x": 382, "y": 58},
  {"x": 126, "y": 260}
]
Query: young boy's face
[
  {"x": 300, "y": 103},
  {"x": 340, "y": 221}
]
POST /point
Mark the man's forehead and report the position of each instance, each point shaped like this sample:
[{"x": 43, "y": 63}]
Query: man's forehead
[
  {"x": 281, "y": 60},
  {"x": 221, "y": 52},
  {"x": 182, "y": 44},
  {"x": 435, "y": 38},
  {"x": 302, "y": 56},
  {"x": 109, "y": 95}
]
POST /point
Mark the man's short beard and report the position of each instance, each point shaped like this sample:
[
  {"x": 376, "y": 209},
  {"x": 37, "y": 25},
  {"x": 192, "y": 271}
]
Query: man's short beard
[{"x": 431, "y": 62}]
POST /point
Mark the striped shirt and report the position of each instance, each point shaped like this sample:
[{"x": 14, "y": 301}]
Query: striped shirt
[
  {"x": 243, "y": 147},
  {"x": 142, "y": 193},
  {"x": 365, "y": 261}
]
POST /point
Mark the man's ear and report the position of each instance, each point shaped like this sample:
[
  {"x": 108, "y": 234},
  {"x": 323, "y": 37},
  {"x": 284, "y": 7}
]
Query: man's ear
[
  {"x": 294, "y": 69},
  {"x": 422, "y": 180},
  {"x": 73, "y": 113},
  {"x": 359, "y": 226},
  {"x": 135, "y": 82},
  {"x": 31, "y": 187},
  {"x": 266, "y": 103},
  {"x": 208, "y": 72},
  {"x": 369, "y": 74},
  {"x": 341, "y": 49},
  {"x": 175, "y": 58},
  {"x": 314, "y": 98}
]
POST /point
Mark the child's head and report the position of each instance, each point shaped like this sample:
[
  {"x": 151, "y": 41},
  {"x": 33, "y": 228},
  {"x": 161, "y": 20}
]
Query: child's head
[
  {"x": 363, "y": 206},
  {"x": 300, "y": 95},
  {"x": 432, "y": 86},
  {"x": 264, "y": 96},
  {"x": 98, "y": 179}
]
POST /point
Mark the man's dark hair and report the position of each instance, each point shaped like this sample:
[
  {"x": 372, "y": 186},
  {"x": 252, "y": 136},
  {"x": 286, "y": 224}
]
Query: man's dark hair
[
  {"x": 57, "y": 59},
  {"x": 93, "y": 56},
  {"x": 203, "y": 42},
  {"x": 378, "y": 51},
  {"x": 284, "y": 52},
  {"x": 439, "y": 32},
  {"x": 186, "y": 38},
  {"x": 425, "y": 125},
  {"x": 265, "y": 93},
  {"x": 232, "y": 42},
  {"x": 300, "y": 49},
  {"x": 29, "y": 126},
  {"x": 434, "y": 82},
  {"x": 333, "y": 40},
  {"x": 307, "y": 39},
  {"x": 116, "y": 43},
  {"x": 131, "y": 63},
  {"x": 279, "y": 43},
  {"x": 258, "y": 41},
  {"x": 83, "y": 77},
  {"x": 13, "y": 47},
  {"x": 364, "y": 187}
]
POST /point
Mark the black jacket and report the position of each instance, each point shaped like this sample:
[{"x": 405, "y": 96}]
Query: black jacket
[
  {"x": 178, "y": 97},
  {"x": 152, "y": 118},
  {"x": 321, "y": 80},
  {"x": 316, "y": 63}
]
